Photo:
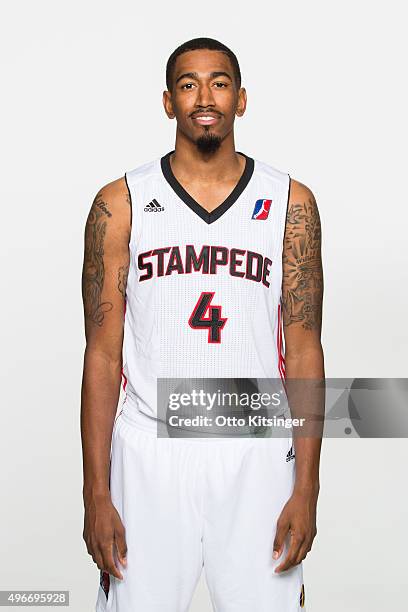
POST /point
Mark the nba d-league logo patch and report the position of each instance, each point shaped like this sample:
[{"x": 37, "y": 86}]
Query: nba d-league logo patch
[{"x": 261, "y": 209}]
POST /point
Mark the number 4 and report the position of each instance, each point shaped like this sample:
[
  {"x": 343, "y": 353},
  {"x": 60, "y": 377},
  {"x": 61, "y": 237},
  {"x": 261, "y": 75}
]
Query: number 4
[{"x": 213, "y": 322}]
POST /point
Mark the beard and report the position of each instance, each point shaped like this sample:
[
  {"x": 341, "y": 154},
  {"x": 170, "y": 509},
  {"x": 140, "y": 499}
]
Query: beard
[{"x": 208, "y": 143}]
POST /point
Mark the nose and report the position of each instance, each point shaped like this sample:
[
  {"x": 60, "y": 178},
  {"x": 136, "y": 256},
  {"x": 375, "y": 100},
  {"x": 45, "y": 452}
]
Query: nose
[{"x": 205, "y": 96}]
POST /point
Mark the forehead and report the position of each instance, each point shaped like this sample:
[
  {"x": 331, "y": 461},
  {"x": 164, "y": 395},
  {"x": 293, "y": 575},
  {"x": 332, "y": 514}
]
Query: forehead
[{"x": 202, "y": 61}]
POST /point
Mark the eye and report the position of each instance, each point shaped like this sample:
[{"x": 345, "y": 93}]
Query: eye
[
  {"x": 187, "y": 86},
  {"x": 220, "y": 84}
]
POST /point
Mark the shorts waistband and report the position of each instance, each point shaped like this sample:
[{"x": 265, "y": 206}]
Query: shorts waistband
[
  {"x": 138, "y": 419},
  {"x": 135, "y": 417}
]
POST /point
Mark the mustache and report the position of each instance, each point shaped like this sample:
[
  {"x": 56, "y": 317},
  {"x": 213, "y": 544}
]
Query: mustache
[{"x": 205, "y": 110}]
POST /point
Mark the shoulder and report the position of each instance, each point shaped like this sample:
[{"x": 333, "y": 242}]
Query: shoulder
[
  {"x": 144, "y": 172},
  {"x": 271, "y": 173},
  {"x": 112, "y": 202},
  {"x": 113, "y": 195},
  {"x": 302, "y": 218},
  {"x": 301, "y": 194}
]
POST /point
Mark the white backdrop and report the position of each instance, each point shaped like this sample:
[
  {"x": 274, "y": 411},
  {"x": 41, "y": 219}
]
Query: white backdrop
[{"x": 81, "y": 103}]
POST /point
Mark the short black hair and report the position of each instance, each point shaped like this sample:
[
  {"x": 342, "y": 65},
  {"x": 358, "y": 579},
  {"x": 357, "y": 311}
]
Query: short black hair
[{"x": 201, "y": 43}]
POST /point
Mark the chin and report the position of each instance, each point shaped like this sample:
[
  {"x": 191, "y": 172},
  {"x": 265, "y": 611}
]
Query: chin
[{"x": 209, "y": 142}]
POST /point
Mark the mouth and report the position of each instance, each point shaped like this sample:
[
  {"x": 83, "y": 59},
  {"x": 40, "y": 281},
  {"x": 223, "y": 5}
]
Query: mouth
[{"x": 205, "y": 118}]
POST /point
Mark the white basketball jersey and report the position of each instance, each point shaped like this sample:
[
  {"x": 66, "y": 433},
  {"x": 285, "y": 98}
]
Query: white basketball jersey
[{"x": 203, "y": 296}]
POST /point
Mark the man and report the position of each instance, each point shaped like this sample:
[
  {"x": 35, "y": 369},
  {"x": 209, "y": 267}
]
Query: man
[{"x": 207, "y": 252}]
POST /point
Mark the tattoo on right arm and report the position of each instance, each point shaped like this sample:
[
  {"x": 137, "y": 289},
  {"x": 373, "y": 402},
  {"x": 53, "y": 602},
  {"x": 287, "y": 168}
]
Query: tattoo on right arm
[
  {"x": 93, "y": 274},
  {"x": 123, "y": 273}
]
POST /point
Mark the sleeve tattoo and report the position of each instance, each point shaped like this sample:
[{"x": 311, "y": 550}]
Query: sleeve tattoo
[
  {"x": 303, "y": 274},
  {"x": 122, "y": 279},
  {"x": 93, "y": 274}
]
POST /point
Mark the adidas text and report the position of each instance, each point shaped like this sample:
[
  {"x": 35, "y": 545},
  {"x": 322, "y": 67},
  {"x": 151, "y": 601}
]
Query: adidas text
[{"x": 153, "y": 206}]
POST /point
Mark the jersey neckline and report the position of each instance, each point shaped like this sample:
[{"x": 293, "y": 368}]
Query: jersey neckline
[{"x": 208, "y": 217}]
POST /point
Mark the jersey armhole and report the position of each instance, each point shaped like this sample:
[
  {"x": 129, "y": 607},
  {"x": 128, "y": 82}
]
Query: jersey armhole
[
  {"x": 130, "y": 203},
  {"x": 285, "y": 217},
  {"x": 281, "y": 288}
]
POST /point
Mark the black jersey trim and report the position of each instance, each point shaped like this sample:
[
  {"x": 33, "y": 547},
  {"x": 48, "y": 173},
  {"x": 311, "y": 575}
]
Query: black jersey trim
[
  {"x": 208, "y": 217},
  {"x": 130, "y": 201},
  {"x": 286, "y": 224},
  {"x": 287, "y": 209}
]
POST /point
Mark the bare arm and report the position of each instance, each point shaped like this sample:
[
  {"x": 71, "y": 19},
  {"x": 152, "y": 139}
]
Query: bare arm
[
  {"x": 302, "y": 291},
  {"x": 106, "y": 262}
]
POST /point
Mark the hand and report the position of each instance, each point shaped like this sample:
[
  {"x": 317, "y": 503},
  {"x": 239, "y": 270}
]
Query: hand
[
  {"x": 298, "y": 517},
  {"x": 104, "y": 534}
]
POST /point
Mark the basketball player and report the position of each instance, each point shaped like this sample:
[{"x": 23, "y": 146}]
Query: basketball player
[{"x": 194, "y": 264}]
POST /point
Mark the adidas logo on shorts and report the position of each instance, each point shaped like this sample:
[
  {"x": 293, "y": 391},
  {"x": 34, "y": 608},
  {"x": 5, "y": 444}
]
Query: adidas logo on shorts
[
  {"x": 302, "y": 596},
  {"x": 153, "y": 206},
  {"x": 290, "y": 455}
]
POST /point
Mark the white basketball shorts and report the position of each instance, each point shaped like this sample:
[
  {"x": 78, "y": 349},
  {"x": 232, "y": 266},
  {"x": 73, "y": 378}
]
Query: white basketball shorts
[{"x": 189, "y": 503}]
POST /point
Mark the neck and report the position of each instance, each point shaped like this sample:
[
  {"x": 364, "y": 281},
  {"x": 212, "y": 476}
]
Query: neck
[{"x": 187, "y": 161}]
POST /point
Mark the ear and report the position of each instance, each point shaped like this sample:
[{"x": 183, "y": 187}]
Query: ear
[
  {"x": 242, "y": 102},
  {"x": 168, "y": 106}
]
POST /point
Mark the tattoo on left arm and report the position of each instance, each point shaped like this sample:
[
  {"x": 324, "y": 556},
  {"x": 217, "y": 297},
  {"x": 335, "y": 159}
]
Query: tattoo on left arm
[{"x": 303, "y": 279}]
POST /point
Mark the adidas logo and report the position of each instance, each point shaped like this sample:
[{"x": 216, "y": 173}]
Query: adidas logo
[
  {"x": 153, "y": 206},
  {"x": 290, "y": 455}
]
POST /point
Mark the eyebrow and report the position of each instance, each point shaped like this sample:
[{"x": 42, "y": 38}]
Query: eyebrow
[{"x": 194, "y": 75}]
